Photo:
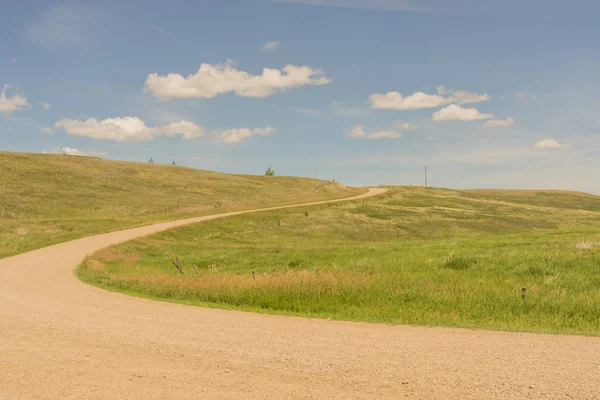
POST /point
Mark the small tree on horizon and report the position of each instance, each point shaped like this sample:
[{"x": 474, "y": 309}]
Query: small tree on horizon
[
  {"x": 270, "y": 171},
  {"x": 151, "y": 160}
]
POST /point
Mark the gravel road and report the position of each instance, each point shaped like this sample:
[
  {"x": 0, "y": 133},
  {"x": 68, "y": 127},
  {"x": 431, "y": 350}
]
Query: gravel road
[{"x": 62, "y": 339}]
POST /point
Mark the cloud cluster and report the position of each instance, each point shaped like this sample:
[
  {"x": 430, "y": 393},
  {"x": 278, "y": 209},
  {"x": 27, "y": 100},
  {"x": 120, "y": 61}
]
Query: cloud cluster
[
  {"x": 212, "y": 80},
  {"x": 359, "y": 133},
  {"x": 237, "y": 135},
  {"x": 457, "y": 113},
  {"x": 395, "y": 101},
  {"x": 8, "y": 105},
  {"x": 134, "y": 129},
  {"x": 550, "y": 144},
  {"x": 127, "y": 129},
  {"x": 420, "y": 100}
]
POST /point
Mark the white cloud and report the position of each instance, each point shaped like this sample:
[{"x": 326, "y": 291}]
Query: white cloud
[
  {"x": 495, "y": 123},
  {"x": 549, "y": 144},
  {"x": 419, "y": 100},
  {"x": 45, "y": 130},
  {"x": 127, "y": 129},
  {"x": 395, "y": 101},
  {"x": 212, "y": 80},
  {"x": 237, "y": 135},
  {"x": 46, "y": 106},
  {"x": 454, "y": 113},
  {"x": 407, "y": 126},
  {"x": 271, "y": 45},
  {"x": 10, "y": 104},
  {"x": 359, "y": 133},
  {"x": 13, "y": 61}
]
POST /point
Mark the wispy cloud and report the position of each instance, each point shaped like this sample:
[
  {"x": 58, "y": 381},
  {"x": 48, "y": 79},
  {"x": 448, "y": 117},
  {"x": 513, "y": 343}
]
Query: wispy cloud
[
  {"x": 12, "y": 61},
  {"x": 359, "y": 133},
  {"x": 407, "y": 126},
  {"x": 269, "y": 46},
  {"x": 307, "y": 111},
  {"x": 46, "y": 106},
  {"x": 392, "y": 5},
  {"x": 64, "y": 26},
  {"x": 550, "y": 144},
  {"x": 230, "y": 136},
  {"x": 497, "y": 123},
  {"x": 349, "y": 112},
  {"x": 525, "y": 95},
  {"x": 337, "y": 109}
]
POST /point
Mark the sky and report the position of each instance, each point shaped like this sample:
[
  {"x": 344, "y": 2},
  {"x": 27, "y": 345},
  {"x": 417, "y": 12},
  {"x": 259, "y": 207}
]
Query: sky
[{"x": 487, "y": 94}]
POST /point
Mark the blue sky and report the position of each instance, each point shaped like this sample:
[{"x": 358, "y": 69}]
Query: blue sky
[{"x": 486, "y": 93}]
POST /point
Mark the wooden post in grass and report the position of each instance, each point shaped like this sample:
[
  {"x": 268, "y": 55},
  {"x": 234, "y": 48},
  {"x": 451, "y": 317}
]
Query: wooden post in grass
[
  {"x": 253, "y": 275},
  {"x": 177, "y": 264},
  {"x": 523, "y": 293},
  {"x": 278, "y": 222},
  {"x": 196, "y": 268}
]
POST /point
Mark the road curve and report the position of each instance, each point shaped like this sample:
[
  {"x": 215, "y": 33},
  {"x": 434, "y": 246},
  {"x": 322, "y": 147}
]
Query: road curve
[{"x": 60, "y": 338}]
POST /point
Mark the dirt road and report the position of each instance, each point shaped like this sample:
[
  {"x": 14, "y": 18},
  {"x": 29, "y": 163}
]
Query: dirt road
[{"x": 60, "y": 338}]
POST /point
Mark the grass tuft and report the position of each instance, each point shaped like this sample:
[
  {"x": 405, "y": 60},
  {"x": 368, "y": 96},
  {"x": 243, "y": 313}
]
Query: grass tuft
[{"x": 459, "y": 263}]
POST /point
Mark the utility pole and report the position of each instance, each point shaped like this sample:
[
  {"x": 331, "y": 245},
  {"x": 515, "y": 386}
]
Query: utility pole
[{"x": 426, "y": 176}]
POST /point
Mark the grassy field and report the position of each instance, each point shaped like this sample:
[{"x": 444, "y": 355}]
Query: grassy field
[
  {"x": 47, "y": 199},
  {"x": 411, "y": 256}
]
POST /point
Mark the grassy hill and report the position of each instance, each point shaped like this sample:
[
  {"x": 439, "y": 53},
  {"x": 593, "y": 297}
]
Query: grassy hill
[
  {"x": 47, "y": 199},
  {"x": 410, "y": 256}
]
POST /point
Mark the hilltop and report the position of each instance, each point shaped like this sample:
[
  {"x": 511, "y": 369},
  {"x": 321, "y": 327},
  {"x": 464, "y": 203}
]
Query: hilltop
[{"x": 48, "y": 198}]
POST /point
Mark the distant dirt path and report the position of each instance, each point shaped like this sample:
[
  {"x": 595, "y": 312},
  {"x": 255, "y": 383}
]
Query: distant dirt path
[{"x": 60, "y": 338}]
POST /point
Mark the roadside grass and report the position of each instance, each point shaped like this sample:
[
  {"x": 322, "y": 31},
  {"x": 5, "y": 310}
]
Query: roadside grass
[
  {"x": 411, "y": 256},
  {"x": 48, "y": 199}
]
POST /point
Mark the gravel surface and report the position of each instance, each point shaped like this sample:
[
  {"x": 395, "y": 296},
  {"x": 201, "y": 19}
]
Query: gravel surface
[{"x": 60, "y": 338}]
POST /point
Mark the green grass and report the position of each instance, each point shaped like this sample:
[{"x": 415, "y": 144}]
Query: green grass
[
  {"x": 47, "y": 199},
  {"x": 411, "y": 256}
]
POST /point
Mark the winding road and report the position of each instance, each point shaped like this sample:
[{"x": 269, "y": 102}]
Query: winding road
[{"x": 62, "y": 339}]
